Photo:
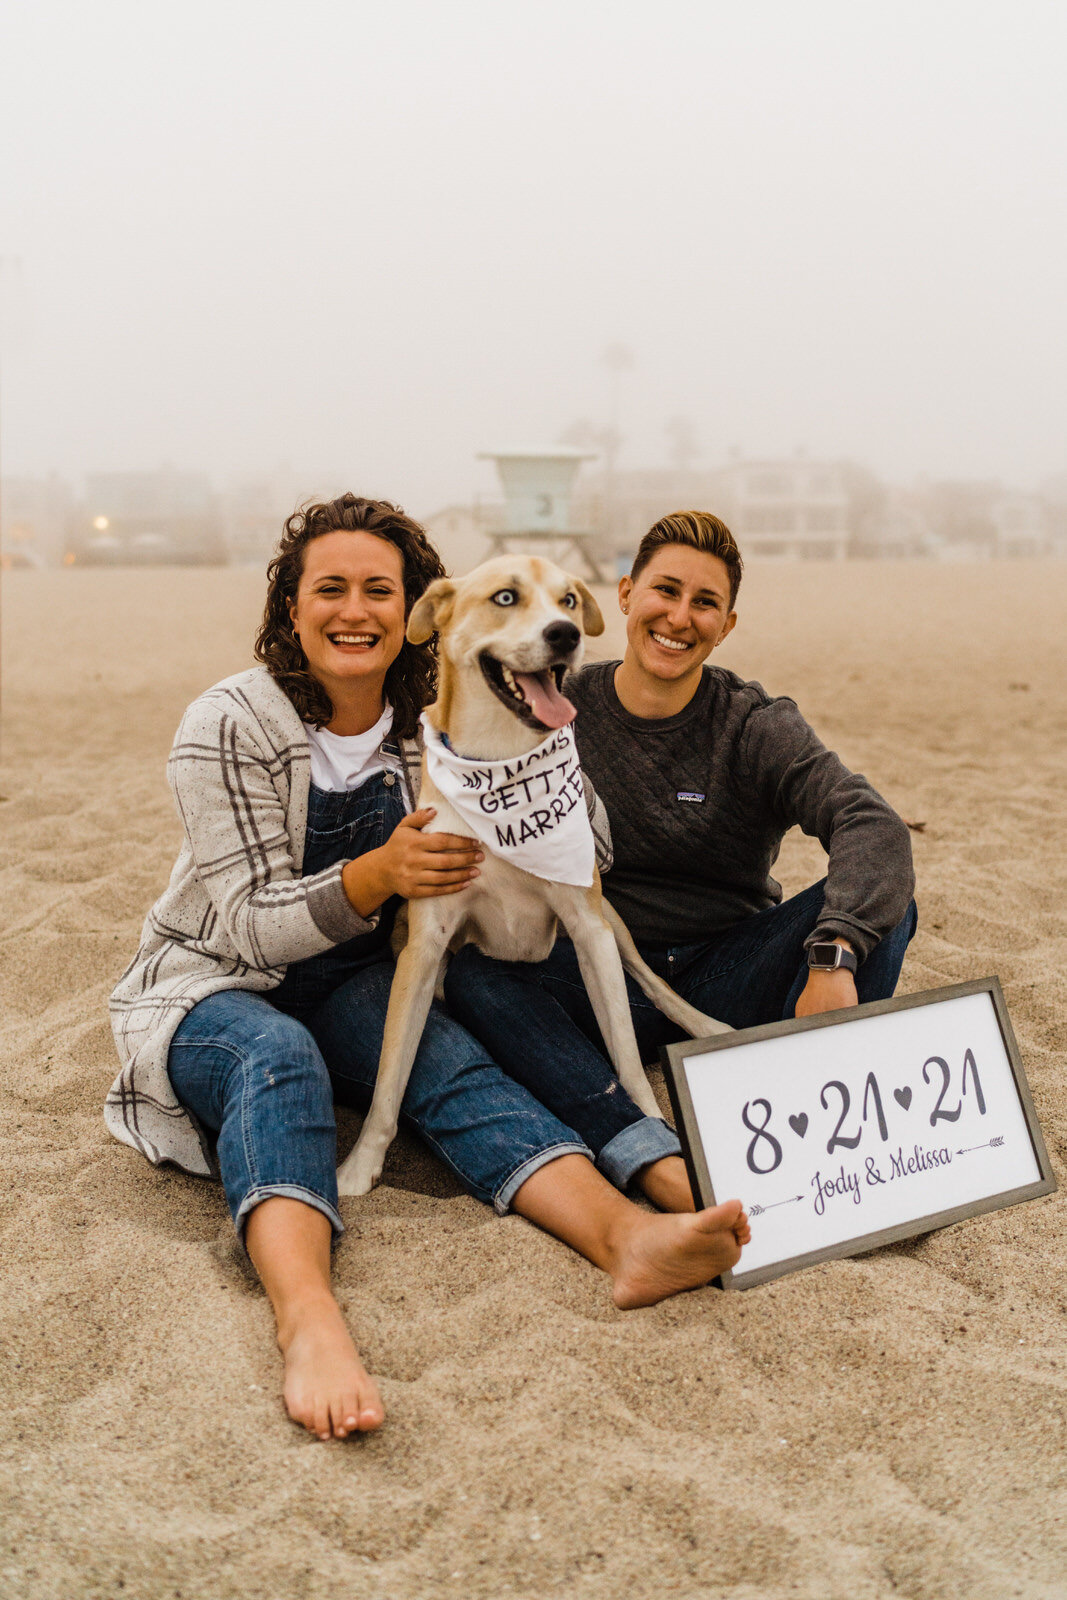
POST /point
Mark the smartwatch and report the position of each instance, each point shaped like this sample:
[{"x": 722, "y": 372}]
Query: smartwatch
[{"x": 828, "y": 957}]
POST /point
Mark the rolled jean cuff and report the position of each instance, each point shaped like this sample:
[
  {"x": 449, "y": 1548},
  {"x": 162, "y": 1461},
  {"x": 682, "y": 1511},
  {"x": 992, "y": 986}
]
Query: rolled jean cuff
[
  {"x": 289, "y": 1191},
  {"x": 635, "y": 1147},
  {"x": 511, "y": 1186}
]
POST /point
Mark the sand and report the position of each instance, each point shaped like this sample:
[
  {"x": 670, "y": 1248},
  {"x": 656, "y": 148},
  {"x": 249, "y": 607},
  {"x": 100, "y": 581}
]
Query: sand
[{"x": 891, "y": 1425}]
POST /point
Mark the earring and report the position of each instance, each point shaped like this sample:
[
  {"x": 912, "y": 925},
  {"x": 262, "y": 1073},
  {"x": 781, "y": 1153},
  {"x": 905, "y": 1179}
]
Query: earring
[{"x": 626, "y": 611}]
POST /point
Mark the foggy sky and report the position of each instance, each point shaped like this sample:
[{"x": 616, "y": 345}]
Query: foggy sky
[{"x": 369, "y": 240}]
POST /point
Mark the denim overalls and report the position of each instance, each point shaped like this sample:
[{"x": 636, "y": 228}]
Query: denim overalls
[{"x": 340, "y": 826}]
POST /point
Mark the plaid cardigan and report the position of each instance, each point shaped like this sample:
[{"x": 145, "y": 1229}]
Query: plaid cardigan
[{"x": 236, "y": 910}]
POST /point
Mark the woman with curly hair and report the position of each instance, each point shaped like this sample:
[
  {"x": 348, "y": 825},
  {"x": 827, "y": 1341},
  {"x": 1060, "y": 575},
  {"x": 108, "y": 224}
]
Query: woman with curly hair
[{"x": 261, "y": 985}]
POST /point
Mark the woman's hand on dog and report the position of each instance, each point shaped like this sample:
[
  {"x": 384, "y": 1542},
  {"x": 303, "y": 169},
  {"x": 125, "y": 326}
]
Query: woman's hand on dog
[{"x": 411, "y": 863}]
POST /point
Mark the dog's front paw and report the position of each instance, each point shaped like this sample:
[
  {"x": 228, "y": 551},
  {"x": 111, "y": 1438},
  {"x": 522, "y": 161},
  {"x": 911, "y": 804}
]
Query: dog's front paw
[
  {"x": 358, "y": 1174},
  {"x": 361, "y": 1170}
]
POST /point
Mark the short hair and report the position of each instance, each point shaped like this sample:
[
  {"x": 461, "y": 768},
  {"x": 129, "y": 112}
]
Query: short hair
[
  {"x": 700, "y": 531},
  {"x": 411, "y": 682}
]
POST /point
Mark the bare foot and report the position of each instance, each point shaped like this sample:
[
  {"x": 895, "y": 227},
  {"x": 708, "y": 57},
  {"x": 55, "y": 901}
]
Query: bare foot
[
  {"x": 327, "y": 1387},
  {"x": 662, "y": 1255}
]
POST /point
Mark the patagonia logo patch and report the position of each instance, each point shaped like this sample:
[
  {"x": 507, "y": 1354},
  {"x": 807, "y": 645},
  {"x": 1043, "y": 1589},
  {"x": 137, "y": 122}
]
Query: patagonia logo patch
[{"x": 692, "y": 796}]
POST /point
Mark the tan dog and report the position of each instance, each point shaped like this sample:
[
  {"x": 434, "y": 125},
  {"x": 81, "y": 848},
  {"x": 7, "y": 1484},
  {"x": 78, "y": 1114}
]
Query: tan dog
[{"x": 508, "y": 633}]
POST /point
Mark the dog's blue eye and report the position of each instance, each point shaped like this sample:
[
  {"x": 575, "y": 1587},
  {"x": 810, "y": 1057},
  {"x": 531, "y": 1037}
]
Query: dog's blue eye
[
  {"x": 506, "y": 597},
  {"x": 570, "y": 601}
]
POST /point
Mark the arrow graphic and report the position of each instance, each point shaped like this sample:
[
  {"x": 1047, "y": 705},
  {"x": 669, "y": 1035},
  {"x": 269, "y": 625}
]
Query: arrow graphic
[
  {"x": 757, "y": 1210},
  {"x": 990, "y": 1144}
]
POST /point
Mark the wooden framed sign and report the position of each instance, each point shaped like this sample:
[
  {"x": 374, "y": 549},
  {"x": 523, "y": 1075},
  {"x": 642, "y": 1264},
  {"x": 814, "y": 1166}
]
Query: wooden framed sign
[{"x": 856, "y": 1128}]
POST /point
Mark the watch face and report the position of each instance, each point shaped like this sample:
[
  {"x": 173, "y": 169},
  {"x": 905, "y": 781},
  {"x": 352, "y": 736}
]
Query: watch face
[{"x": 824, "y": 955}]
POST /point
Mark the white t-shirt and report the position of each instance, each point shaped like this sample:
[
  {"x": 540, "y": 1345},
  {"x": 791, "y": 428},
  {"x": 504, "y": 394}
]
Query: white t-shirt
[{"x": 345, "y": 761}]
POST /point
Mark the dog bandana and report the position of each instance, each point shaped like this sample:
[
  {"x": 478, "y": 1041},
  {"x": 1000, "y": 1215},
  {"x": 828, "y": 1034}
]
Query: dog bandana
[{"x": 529, "y": 810}]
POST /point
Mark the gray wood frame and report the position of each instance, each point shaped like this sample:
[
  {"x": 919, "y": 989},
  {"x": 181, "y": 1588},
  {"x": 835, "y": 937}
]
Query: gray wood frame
[{"x": 674, "y": 1065}]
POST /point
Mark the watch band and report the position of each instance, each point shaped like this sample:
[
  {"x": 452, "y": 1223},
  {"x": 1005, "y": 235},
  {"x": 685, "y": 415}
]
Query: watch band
[{"x": 828, "y": 957}]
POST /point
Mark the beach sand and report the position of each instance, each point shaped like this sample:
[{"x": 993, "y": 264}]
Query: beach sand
[{"x": 892, "y": 1425}]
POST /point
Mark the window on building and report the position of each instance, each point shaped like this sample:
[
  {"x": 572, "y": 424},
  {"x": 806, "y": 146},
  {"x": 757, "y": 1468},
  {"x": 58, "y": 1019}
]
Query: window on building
[
  {"x": 823, "y": 519},
  {"x": 769, "y": 519},
  {"x": 768, "y": 483}
]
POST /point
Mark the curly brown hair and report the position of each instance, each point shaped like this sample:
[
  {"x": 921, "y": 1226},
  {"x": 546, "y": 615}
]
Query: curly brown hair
[{"x": 411, "y": 682}]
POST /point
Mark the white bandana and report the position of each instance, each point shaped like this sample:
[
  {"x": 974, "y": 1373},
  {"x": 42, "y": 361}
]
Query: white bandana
[{"x": 529, "y": 810}]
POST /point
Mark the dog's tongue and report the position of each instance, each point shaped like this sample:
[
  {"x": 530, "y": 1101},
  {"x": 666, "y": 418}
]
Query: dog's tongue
[{"x": 544, "y": 699}]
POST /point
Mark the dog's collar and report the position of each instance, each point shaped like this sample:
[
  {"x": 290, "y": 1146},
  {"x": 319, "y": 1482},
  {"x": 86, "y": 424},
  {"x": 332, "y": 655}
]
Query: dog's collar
[{"x": 450, "y": 747}]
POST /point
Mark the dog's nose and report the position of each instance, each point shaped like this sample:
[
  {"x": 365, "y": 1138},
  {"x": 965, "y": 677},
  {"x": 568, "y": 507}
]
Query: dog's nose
[{"x": 562, "y": 636}]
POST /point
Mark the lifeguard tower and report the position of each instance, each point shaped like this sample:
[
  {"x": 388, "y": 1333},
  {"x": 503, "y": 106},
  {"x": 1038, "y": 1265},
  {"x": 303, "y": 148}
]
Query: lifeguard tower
[{"x": 537, "y": 487}]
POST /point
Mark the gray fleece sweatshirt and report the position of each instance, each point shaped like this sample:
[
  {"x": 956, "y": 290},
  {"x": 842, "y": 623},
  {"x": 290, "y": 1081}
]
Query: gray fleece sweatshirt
[{"x": 699, "y": 802}]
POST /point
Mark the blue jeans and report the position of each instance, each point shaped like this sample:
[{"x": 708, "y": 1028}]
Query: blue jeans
[
  {"x": 262, "y": 1071},
  {"x": 265, "y": 1082},
  {"x": 751, "y": 973}
]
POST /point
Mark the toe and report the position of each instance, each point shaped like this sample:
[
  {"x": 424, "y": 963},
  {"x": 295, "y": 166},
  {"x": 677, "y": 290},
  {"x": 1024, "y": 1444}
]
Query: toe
[
  {"x": 371, "y": 1410},
  {"x": 341, "y": 1417},
  {"x": 371, "y": 1417}
]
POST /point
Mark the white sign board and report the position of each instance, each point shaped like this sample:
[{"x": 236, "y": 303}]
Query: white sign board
[{"x": 852, "y": 1129}]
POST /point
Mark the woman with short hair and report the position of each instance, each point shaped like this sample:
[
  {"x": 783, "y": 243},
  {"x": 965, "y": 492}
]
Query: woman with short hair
[{"x": 702, "y": 775}]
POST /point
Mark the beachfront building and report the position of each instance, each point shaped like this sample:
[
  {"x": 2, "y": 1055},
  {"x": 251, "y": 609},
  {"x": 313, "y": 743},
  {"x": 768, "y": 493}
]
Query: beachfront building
[
  {"x": 788, "y": 508},
  {"x": 1054, "y": 501},
  {"x": 253, "y": 512},
  {"x": 898, "y": 527},
  {"x": 163, "y": 518},
  {"x": 981, "y": 520},
  {"x": 1020, "y": 525},
  {"x": 34, "y": 517},
  {"x": 778, "y": 508}
]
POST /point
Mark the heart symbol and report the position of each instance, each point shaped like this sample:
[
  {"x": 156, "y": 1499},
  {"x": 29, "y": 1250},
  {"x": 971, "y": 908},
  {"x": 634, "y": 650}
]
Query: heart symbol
[
  {"x": 902, "y": 1097},
  {"x": 799, "y": 1124}
]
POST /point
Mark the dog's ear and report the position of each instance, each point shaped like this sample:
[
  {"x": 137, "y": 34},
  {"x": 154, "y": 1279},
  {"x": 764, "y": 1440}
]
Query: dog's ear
[
  {"x": 432, "y": 611},
  {"x": 592, "y": 616}
]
